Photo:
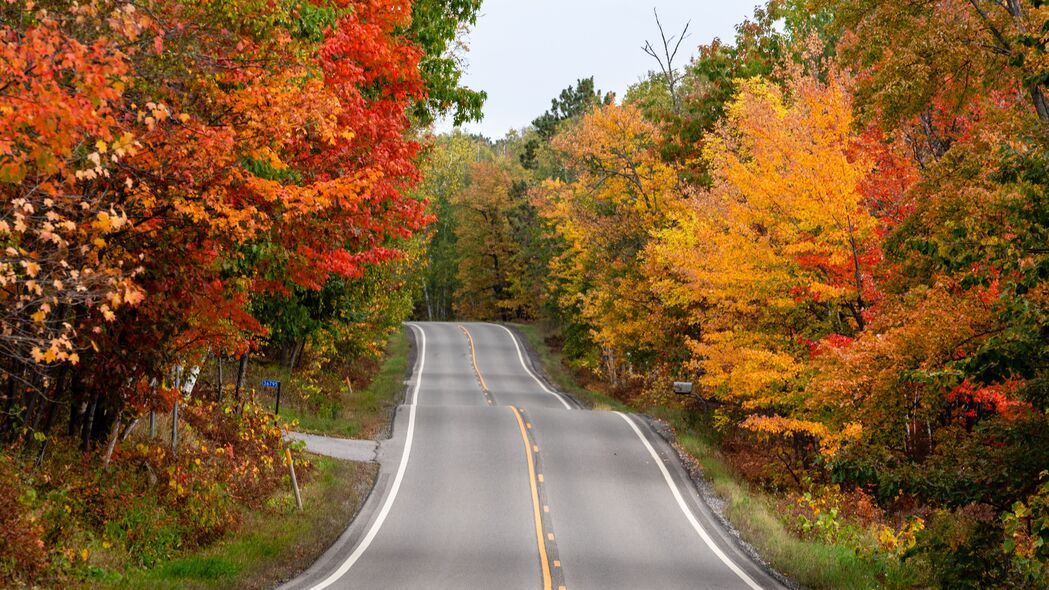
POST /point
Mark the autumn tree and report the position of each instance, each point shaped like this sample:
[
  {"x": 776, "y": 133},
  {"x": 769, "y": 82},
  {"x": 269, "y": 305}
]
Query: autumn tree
[
  {"x": 617, "y": 194},
  {"x": 779, "y": 253},
  {"x": 168, "y": 169},
  {"x": 489, "y": 277}
]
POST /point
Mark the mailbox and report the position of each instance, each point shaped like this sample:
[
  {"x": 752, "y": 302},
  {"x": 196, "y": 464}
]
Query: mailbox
[{"x": 683, "y": 387}]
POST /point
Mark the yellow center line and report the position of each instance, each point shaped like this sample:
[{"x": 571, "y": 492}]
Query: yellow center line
[
  {"x": 473, "y": 357},
  {"x": 543, "y": 559}
]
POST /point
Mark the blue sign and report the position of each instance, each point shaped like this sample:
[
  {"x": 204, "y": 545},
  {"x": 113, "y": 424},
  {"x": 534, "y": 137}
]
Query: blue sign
[{"x": 270, "y": 383}]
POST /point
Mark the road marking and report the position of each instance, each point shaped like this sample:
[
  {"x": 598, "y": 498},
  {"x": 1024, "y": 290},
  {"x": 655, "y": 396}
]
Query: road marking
[
  {"x": 477, "y": 369},
  {"x": 385, "y": 510},
  {"x": 520, "y": 357},
  {"x": 543, "y": 559},
  {"x": 684, "y": 507}
]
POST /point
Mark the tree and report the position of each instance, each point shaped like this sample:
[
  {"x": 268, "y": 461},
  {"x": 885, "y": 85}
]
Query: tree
[
  {"x": 617, "y": 194},
  {"x": 488, "y": 275},
  {"x": 779, "y": 251}
]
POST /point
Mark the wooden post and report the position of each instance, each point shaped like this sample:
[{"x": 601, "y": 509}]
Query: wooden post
[
  {"x": 152, "y": 424},
  {"x": 294, "y": 480}
]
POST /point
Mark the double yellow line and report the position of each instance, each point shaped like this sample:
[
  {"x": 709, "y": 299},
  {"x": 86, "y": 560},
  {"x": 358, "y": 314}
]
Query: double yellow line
[
  {"x": 477, "y": 370},
  {"x": 533, "y": 476}
]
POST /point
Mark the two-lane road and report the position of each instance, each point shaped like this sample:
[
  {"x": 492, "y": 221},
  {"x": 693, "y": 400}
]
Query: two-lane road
[{"x": 494, "y": 480}]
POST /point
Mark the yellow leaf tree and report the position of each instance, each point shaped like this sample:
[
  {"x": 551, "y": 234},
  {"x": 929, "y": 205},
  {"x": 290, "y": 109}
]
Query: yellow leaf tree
[
  {"x": 777, "y": 254},
  {"x": 616, "y": 193}
]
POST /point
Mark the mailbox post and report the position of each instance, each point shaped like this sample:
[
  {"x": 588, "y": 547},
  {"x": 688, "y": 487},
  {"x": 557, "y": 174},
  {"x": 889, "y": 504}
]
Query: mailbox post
[{"x": 273, "y": 384}]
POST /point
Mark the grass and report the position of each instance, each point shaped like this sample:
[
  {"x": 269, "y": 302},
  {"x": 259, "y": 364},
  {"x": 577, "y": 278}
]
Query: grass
[
  {"x": 323, "y": 404},
  {"x": 274, "y": 544},
  {"x": 553, "y": 363},
  {"x": 754, "y": 513},
  {"x": 270, "y": 545}
]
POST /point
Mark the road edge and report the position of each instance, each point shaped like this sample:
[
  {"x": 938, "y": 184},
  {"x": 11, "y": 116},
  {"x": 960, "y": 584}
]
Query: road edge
[
  {"x": 691, "y": 471},
  {"x": 538, "y": 370},
  {"x": 360, "y": 522},
  {"x": 689, "y": 468}
]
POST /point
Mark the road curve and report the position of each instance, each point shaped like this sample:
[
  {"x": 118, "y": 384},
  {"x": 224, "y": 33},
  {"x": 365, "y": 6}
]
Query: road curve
[{"x": 492, "y": 479}]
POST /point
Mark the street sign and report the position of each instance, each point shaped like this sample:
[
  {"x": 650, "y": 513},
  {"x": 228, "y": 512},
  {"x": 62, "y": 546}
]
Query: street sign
[{"x": 274, "y": 384}]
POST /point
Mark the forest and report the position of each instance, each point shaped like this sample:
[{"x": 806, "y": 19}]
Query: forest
[
  {"x": 836, "y": 224},
  {"x": 184, "y": 184}
]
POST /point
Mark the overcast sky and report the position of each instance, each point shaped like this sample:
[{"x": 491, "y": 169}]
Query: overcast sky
[{"x": 523, "y": 52}]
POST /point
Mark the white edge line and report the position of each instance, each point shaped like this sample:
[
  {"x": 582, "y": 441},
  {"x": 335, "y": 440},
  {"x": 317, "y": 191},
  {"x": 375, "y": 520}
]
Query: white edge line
[
  {"x": 374, "y": 530},
  {"x": 684, "y": 508},
  {"x": 520, "y": 357}
]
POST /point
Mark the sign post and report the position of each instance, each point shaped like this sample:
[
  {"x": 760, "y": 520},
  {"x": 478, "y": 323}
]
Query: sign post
[{"x": 273, "y": 384}]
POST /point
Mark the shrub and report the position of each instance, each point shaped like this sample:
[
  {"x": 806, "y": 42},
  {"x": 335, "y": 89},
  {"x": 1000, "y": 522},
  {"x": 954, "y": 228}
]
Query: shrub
[{"x": 22, "y": 553}]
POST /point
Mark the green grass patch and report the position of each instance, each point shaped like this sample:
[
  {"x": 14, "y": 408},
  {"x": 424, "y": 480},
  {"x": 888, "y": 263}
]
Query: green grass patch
[
  {"x": 323, "y": 403},
  {"x": 754, "y": 513},
  {"x": 270, "y": 545},
  {"x": 557, "y": 370}
]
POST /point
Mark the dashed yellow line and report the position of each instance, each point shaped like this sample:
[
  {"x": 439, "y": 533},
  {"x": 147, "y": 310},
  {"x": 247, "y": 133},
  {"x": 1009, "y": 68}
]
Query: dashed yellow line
[{"x": 544, "y": 561}]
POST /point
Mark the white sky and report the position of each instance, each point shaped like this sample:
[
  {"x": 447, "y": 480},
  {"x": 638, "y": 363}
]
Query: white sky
[{"x": 523, "y": 52}]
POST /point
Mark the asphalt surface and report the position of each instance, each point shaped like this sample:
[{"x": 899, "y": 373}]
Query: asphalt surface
[{"x": 494, "y": 480}]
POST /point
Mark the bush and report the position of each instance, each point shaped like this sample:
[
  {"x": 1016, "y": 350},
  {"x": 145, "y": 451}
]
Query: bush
[
  {"x": 22, "y": 552},
  {"x": 71, "y": 516}
]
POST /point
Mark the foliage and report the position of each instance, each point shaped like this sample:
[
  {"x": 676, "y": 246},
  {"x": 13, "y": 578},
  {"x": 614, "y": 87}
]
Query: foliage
[
  {"x": 1027, "y": 533},
  {"x": 837, "y": 230},
  {"x": 182, "y": 181}
]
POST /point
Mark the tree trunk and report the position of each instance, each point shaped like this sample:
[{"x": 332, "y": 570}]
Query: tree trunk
[
  {"x": 242, "y": 375},
  {"x": 218, "y": 385},
  {"x": 89, "y": 424},
  {"x": 297, "y": 354},
  {"x": 6, "y": 420},
  {"x": 114, "y": 434},
  {"x": 190, "y": 381},
  {"x": 287, "y": 349}
]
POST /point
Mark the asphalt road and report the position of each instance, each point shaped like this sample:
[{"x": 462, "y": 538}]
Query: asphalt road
[{"x": 494, "y": 480}]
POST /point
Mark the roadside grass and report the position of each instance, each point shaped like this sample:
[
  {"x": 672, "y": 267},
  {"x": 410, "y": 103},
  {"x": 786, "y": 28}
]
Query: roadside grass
[
  {"x": 275, "y": 542},
  {"x": 322, "y": 403},
  {"x": 270, "y": 545},
  {"x": 757, "y": 515},
  {"x": 553, "y": 363}
]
